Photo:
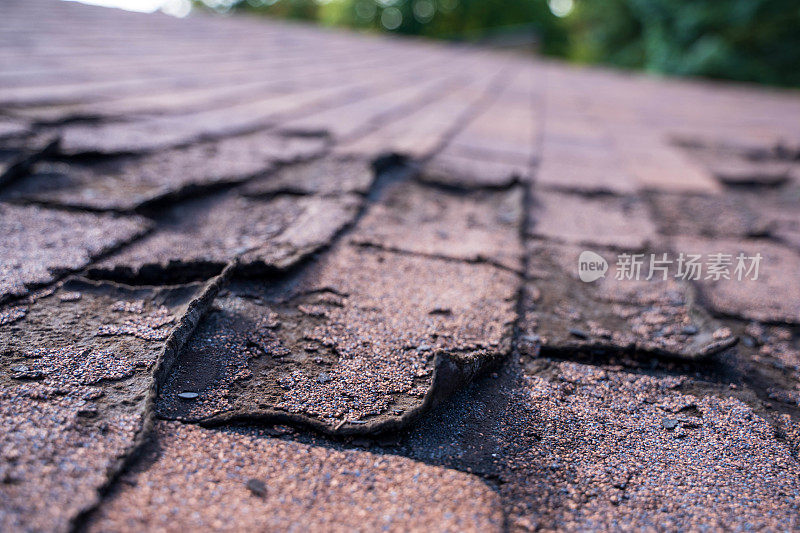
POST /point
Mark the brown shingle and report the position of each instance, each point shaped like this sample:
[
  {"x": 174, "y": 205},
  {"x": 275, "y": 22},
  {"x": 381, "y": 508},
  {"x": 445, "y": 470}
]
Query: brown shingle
[{"x": 241, "y": 481}]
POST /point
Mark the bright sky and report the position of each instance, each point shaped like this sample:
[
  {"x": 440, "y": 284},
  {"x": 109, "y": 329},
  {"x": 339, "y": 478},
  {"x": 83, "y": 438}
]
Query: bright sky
[{"x": 179, "y": 8}]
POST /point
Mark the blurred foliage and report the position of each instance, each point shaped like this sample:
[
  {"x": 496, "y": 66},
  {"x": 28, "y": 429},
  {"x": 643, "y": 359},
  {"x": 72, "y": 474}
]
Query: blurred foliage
[
  {"x": 460, "y": 20},
  {"x": 748, "y": 40}
]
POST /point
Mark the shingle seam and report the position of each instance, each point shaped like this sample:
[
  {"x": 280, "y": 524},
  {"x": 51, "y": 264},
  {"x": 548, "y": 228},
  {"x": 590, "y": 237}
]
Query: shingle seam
[
  {"x": 195, "y": 311},
  {"x": 478, "y": 260}
]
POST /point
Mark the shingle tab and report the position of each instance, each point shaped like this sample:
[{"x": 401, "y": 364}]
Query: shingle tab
[
  {"x": 128, "y": 183},
  {"x": 40, "y": 244},
  {"x": 363, "y": 341},
  {"x": 275, "y": 485}
]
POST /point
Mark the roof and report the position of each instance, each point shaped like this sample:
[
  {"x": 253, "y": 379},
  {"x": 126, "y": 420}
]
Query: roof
[{"x": 258, "y": 274}]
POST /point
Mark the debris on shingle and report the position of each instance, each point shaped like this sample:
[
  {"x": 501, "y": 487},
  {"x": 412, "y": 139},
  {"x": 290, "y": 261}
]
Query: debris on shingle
[
  {"x": 40, "y": 244},
  {"x": 575, "y": 447},
  {"x": 280, "y": 485}
]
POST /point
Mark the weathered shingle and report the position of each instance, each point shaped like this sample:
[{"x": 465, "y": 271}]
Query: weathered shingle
[
  {"x": 41, "y": 244},
  {"x": 75, "y": 383}
]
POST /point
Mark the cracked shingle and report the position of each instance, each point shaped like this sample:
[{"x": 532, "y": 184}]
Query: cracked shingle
[
  {"x": 422, "y": 220},
  {"x": 129, "y": 183},
  {"x": 75, "y": 380},
  {"x": 204, "y": 235},
  {"x": 191, "y": 122},
  {"x": 358, "y": 339},
  {"x": 566, "y": 315}
]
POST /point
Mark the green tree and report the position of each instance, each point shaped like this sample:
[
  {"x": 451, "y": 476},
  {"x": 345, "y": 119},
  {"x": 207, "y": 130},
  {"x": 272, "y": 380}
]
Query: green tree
[
  {"x": 463, "y": 20},
  {"x": 748, "y": 40}
]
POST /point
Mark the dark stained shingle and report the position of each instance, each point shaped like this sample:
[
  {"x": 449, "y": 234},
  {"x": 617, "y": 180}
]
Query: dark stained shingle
[{"x": 657, "y": 317}]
